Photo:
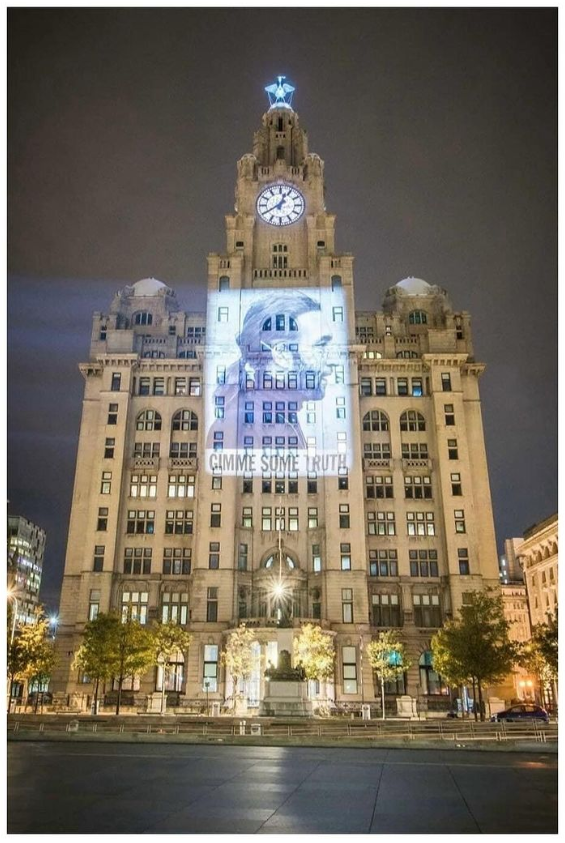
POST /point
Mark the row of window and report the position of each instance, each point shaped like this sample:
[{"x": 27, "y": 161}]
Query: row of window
[{"x": 400, "y": 386}]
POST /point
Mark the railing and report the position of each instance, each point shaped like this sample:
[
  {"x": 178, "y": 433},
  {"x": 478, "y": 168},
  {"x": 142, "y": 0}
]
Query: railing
[
  {"x": 280, "y": 273},
  {"x": 183, "y": 462}
]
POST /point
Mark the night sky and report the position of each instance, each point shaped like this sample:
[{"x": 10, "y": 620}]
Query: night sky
[{"x": 438, "y": 130}]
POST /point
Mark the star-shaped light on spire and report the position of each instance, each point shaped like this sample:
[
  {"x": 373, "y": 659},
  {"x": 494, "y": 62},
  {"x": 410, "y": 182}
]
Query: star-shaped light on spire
[{"x": 280, "y": 94}]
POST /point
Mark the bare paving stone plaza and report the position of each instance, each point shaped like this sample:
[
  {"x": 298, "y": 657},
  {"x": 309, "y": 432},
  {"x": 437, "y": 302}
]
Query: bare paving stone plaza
[{"x": 168, "y": 788}]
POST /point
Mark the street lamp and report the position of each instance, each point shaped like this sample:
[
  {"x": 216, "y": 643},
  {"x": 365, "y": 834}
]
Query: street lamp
[{"x": 53, "y": 623}]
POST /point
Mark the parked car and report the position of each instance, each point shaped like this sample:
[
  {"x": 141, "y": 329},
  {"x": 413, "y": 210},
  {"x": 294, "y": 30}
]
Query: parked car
[{"x": 524, "y": 711}]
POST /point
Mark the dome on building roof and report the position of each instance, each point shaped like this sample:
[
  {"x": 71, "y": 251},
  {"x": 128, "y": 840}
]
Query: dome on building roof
[
  {"x": 149, "y": 287},
  {"x": 415, "y": 286}
]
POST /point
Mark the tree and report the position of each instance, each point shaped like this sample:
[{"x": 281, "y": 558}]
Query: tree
[
  {"x": 387, "y": 658},
  {"x": 96, "y": 655},
  {"x": 475, "y": 646},
  {"x": 540, "y": 655},
  {"x": 168, "y": 639},
  {"x": 133, "y": 653},
  {"x": 238, "y": 656},
  {"x": 314, "y": 650},
  {"x": 34, "y": 653}
]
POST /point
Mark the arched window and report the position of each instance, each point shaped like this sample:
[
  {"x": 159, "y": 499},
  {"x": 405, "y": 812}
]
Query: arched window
[
  {"x": 411, "y": 420},
  {"x": 272, "y": 561},
  {"x": 223, "y": 283},
  {"x": 143, "y": 318},
  {"x": 375, "y": 420},
  {"x": 406, "y": 354},
  {"x": 281, "y": 322},
  {"x": 430, "y": 681},
  {"x": 418, "y": 317},
  {"x": 190, "y": 354},
  {"x": 148, "y": 420},
  {"x": 266, "y": 324},
  {"x": 185, "y": 420},
  {"x": 292, "y": 326},
  {"x": 336, "y": 283}
]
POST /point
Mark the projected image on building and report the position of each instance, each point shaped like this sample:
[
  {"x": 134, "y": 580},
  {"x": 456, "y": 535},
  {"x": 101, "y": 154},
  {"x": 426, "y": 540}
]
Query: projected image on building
[{"x": 276, "y": 382}]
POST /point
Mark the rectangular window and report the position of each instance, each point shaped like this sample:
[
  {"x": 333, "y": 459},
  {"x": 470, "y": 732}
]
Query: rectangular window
[
  {"x": 242, "y": 557},
  {"x": 423, "y": 563},
  {"x": 223, "y": 314},
  {"x": 267, "y": 412},
  {"x": 224, "y": 283},
  {"x": 179, "y": 522},
  {"x": 143, "y": 486},
  {"x": 214, "y": 555},
  {"x": 174, "y": 608},
  {"x": 144, "y": 386},
  {"x": 98, "y": 564},
  {"x": 452, "y": 451},
  {"x": 194, "y": 386},
  {"x": 339, "y": 408},
  {"x": 266, "y": 517},
  {"x": 249, "y": 417},
  {"x": 312, "y": 483},
  {"x": 345, "y": 554},
  {"x": 93, "y": 604},
  {"x": 339, "y": 374},
  {"x": 383, "y": 563},
  {"x": 381, "y": 524},
  {"x": 247, "y": 517},
  {"x": 106, "y": 483},
  {"x": 112, "y": 414},
  {"x": 316, "y": 559},
  {"x": 220, "y": 375},
  {"x": 402, "y": 386},
  {"x": 216, "y": 515},
  {"x": 459, "y": 516},
  {"x": 109, "y": 445},
  {"x": 181, "y": 486},
  {"x": 337, "y": 314},
  {"x": 420, "y": 524},
  {"x": 456, "y": 484},
  {"x": 140, "y": 521},
  {"x": 379, "y": 486},
  {"x": 180, "y": 386},
  {"x": 427, "y": 610},
  {"x": 177, "y": 560},
  {"x": 116, "y": 382},
  {"x": 463, "y": 556},
  {"x": 217, "y": 482},
  {"x": 146, "y": 450},
  {"x": 449, "y": 413},
  {"x": 183, "y": 450},
  {"x": 385, "y": 610},
  {"x": 102, "y": 523},
  {"x": 445, "y": 382},
  {"x": 158, "y": 386},
  {"x": 417, "y": 387},
  {"x": 418, "y": 487},
  {"x": 380, "y": 386},
  {"x": 312, "y": 516},
  {"x": 366, "y": 386},
  {"x": 292, "y": 519},
  {"x": 210, "y": 667},
  {"x": 349, "y": 659},
  {"x": 247, "y": 487},
  {"x": 137, "y": 560},
  {"x": 212, "y": 606},
  {"x": 219, "y": 401},
  {"x": 342, "y": 478},
  {"x": 414, "y": 451},
  {"x": 344, "y": 518},
  {"x": 376, "y": 450},
  {"x": 134, "y": 606}
]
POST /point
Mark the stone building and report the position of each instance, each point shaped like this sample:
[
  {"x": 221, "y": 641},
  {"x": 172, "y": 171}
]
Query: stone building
[
  {"x": 508, "y": 563},
  {"x": 538, "y": 557},
  {"x": 26, "y": 546},
  {"x": 280, "y": 458}
]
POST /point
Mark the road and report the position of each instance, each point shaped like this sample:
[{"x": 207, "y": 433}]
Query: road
[{"x": 168, "y": 788}]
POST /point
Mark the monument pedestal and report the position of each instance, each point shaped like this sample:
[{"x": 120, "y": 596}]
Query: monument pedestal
[{"x": 286, "y": 699}]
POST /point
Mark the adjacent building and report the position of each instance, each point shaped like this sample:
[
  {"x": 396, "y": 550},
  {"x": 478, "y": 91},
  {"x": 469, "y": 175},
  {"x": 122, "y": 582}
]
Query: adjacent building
[
  {"x": 281, "y": 458},
  {"x": 538, "y": 557},
  {"x": 510, "y": 570},
  {"x": 26, "y": 546}
]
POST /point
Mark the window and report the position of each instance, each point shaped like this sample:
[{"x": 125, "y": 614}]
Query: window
[
  {"x": 210, "y": 667},
  {"x": 459, "y": 517},
  {"x": 179, "y": 522},
  {"x": 423, "y": 563},
  {"x": 242, "y": 557},
  {"x": 146, "y": 450},
  {"x": 116, "y": 382},
  {"x": 223, "y": 314},
  {"x": 378, "y": 486},
  {"x": 420, "y": 524},
  {"x": 223, "y": 283},
  {"x": 140, "y": 521},
  {"x": 402, "y": 386},
  {"x": 344, "y": 516},
  {"x": 418, "y": 487},
  {"x": 143, "y": 486},
  {"x": 381, "y": 524},
  {"x": 185, "y": 420},
  {"x": 376, "y": 450},
  {"x": 426, "y": 610},
  {"x": 247, "y": 487},
  {"x": 177, "y": 560},
  {"x": 137, "y": 560},
  {"x": 102, "y": 523},
  {"x": 414, "y": 451},
  {"x": 144, "y": 386},
  {"x": 463, "y": 556},
  {"x": 383, "y": 563},
  {"x": 194, "y": 386},
  {"x": 339, "y": 374},
  {"x": 456, "y": 484},
  {"x": 430, "y": 682},
  {"x": 148, "y": 420},
  {"x": 385, "y": 610},
  {"x": 339, "y": 408},
  {"x": 342, "y": 478},
  {"x": 452, "y": 451},
  {"x": 316, "y": 604},
  {"x": 292, "y": 519},
  {"x": 109, "y": 446},
  {"x": 375, "y": 420},
  {"x": 158, "y": 386},
  {"x": 180, "y": 386},
  {"x": 336, "y": 283},
  {"x": 214, "y": 555},
  {"x": 347, "y": 606},
  {"x": 106, "y": 483},
  {"x": 247, "y": 517},
  {"x": 249, "y": 416},
  {"x": 417, "y": 387},
  {"x": 216, "y": 515},
  {"x": 174, "y": 607},
  {"x": 418, "y": 317},
  {"x": 183, "y": 450},
  {"x": 181, "y": 486},
  {"x": 316, "y": 559},
  {"x": 312, "y": 517},
  {"x": 380, "y": 386},
  {"x": 112, "y": 414},
  {"x": 143, "y": 318},
  {"x": 93, "y": 604},
  {"x": 345, "y": 555},
  {"x": 366, "y": 386},
  {"x": 211, "y": 612},
  {"x": 337, "y": 314},
  {"x": 411, "y": 420},
  {"x": 102, "y": 335},
  {"x": 449, "y": 414},
  {"x": 446, "y": 382},
  {"x": 267, "y": 412},
  {"x": 98, "y": 563},
  {"x": 349, "y": 659},
  {"x": 266, "y": 518},
  {"x": 279, "y": 258},
  {"x": 134, "y": 606}
]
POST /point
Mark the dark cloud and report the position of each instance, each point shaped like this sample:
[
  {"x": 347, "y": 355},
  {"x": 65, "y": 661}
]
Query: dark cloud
[{"x": 438, "y": 129}]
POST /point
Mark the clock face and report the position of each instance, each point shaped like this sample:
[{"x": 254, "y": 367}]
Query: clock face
[{"x": 280, "y": 204}]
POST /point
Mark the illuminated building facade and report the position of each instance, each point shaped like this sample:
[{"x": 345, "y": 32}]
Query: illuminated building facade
[
  {"x": 26, "y": 546},
  {"x": 538, "y": 556},
  {"x": 280, "y": 459}
]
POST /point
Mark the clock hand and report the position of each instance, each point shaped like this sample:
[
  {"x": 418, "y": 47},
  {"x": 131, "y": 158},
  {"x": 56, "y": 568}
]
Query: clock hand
[{"x": 278, "y": 205}]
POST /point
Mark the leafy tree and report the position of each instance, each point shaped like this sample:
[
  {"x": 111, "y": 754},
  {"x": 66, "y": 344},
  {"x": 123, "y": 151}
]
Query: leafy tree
[
  {"x": 475, "y": 646},
  {"x": 388, "y": 659},
  {"x": 238, "y": 656},
  {"x": 540, "y": 655},
  {"x": 33, "y": 656},
  {"x": 133, "y": 653},
  {"x": 314, "y": 650},
  {"x": 168, "y": 639},
  {"x": 96, "y": 655}
]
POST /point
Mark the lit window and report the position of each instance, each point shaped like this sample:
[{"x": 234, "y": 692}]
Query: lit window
[
  {"x": 223, "y": 314},
  {"x": 134, "y": 606},
  {"x": 181, "y": 486},
  {"x": 106, "y": 483},
  {"x": 143, "y": 486},
  {"x": 345, "y": 555},
  {"x": 349, "y": 654},
  {"x": 418, "y": 317}
]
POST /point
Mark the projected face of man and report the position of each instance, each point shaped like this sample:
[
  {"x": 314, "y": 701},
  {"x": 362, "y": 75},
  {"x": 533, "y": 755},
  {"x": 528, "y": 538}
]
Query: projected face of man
[{"x": 314, "y": 337}]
